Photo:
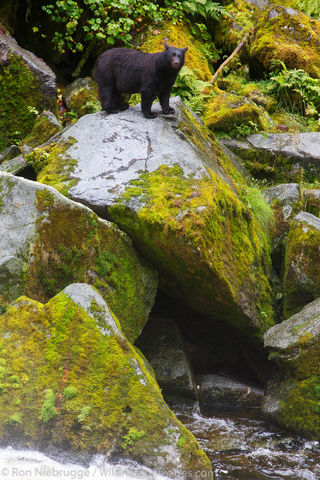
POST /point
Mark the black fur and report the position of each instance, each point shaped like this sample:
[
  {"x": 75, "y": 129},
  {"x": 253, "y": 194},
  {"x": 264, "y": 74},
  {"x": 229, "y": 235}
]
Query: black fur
[{"x": 122, "y": 70}]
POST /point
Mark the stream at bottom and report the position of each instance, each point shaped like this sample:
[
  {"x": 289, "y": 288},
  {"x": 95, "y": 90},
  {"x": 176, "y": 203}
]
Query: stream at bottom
[
  {"x": 241, "y": 446},
  {"x": 244, "y": 446}
]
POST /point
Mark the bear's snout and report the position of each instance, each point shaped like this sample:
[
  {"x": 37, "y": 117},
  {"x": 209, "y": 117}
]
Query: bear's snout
[{"x": 175, "y": 63}]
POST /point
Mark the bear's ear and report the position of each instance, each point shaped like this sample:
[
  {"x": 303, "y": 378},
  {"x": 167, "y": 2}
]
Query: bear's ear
[
  {"x": 185, "y": 49},
  {"x": 166, "y": 46}
]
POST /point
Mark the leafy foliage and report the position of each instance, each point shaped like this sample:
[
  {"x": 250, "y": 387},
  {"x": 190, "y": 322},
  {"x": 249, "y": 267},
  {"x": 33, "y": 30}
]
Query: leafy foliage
[
  {"x": 194, "y": 92},
  {"x": 295, "y": 90},
  {"x": 84, "y": 21},
  {"x": 90, "y": 22},
  {"x": 204, "y": 8},
  {"x": 309, "y": 7}
]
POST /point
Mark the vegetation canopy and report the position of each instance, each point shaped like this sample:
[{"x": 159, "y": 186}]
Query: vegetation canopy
[{"x": 115, "y": 22}]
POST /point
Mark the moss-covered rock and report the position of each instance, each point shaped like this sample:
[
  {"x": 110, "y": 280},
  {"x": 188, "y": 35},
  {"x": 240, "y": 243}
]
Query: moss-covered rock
[
  {"x": 234, "y": 115},
  {"x": 180, "y": 36},
  {"x": 302, "y": 267},
  {"x": 81, "y": 96},
  {"x": 45, "y": 127},
  {"x": 288, "y": 35},
  {"x": 280, "y": 157},
  {"x": 293, "y": 397},
  {"x": 70, "y": 379},
  {"x": 168, "y": 184},
  {"x": 27, "y": 87},
  {"x": 49, "y": 241}
]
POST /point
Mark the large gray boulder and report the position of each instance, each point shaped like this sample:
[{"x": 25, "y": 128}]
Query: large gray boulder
[
  {"x": 168, "y": 184},
  {"x": 281, "y": 156},
  {"x": 48, "y": 241},
  {"x": 292, "y": 396}
]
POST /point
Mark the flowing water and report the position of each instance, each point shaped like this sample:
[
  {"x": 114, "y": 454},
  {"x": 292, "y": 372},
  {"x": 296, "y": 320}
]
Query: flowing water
[
  {"x": 241, "y": 446},
  {"x": 244, "y": 446}
]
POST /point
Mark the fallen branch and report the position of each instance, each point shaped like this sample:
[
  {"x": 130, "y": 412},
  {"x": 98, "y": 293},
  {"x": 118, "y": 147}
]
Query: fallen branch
[{"x": 228, "y": 60}]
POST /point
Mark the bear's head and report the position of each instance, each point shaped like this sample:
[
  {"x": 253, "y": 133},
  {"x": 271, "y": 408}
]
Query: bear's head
[{"x": 175, "y": 56}]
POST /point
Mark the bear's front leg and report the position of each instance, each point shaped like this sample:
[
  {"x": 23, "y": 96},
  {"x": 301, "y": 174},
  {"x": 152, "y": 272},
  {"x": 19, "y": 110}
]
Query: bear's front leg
[
  {"x": 164, "y": 102},
  {"x": 146, "y": 104}
]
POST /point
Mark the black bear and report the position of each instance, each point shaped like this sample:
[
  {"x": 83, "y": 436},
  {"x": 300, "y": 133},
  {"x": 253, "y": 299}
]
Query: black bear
[{"x": 122, "y": 70}]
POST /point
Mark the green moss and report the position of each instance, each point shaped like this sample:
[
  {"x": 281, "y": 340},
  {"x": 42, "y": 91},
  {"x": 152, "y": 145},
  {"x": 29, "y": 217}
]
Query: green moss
[
  {"x": 48, "y": 410},
  {"x": 20, "y": 101},
  {"x": 232, "y": 29},
  {"x": 179, "y": 36},
  {"x": 131, "y": 437},
  {"x": 118, "y": 406},
  {"x": 70, "y": 392},
  {"x": 272, "y": 42},
  {"x": 15, "y": 418},
  {"x": 89, "y": 252},
  {"x": 228, "y": 112},
  {"x": 54, "y": 165},
  {"x": 180, "y": 216},
  {"x": 42, "y": 130}
]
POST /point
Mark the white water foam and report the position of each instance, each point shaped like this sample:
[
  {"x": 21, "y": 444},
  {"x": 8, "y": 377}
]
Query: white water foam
[{"x": 33, "y": 465}]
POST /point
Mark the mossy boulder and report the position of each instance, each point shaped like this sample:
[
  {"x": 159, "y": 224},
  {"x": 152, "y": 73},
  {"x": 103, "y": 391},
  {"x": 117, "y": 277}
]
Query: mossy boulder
[
  {"x": 81, "y": 96},
  {"x": 27, "y": 87},
  {"x": 234, "y": 114},
  {"x": 71, "y": 380},
  {"x": 238, "y": 82},
  {"x": 302, "y": 267},
  {"x": 189, "y": 211},
  {"x": 45, "y": 127},
  {"x": 48, "y": 241},
  {"x": 280, "y": 157},
  {"x": 293, "y": 396},
  {"x": 288, "y": 35},
  {"x": 178, "y": 35}
]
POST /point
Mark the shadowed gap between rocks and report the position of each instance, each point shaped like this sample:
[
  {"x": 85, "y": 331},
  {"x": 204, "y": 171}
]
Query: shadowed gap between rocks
[{"x": 213, "y": 353}]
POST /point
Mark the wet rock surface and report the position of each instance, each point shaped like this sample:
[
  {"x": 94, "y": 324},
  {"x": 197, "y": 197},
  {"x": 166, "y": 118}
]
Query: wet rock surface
[
  {"x": 219, "y": 391},
  {"x": 162, "y": 344}
]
